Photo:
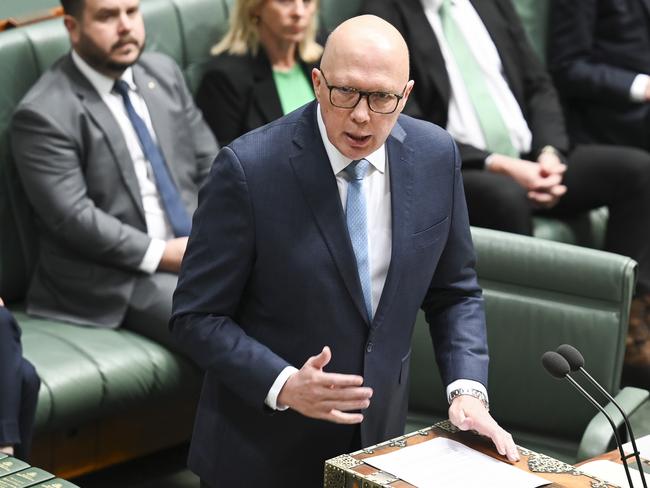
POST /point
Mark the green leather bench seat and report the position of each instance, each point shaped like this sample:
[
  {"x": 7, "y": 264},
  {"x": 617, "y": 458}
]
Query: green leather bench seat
[
  {"x": 539, "y": 294},
  {"x": 87, "y": 372}
]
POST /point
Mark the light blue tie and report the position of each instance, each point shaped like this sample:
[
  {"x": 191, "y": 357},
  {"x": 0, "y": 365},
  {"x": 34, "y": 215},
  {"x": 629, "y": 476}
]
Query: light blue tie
[{"x": 357, "y": 221}]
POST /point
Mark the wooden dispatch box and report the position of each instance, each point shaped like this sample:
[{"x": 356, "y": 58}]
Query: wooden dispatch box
[{"x": 350, "y": 471}]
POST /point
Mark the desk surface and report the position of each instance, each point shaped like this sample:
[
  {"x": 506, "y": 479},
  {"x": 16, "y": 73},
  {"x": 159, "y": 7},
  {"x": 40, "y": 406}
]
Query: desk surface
[{"x": 349, "y": 470}]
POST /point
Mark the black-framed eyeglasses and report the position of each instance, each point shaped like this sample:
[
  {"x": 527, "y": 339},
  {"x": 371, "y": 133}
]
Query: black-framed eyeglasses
[{"x": 347, "y": 97}]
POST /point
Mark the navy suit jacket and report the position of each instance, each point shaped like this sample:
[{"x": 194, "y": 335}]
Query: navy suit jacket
[
  {"x": 596, "y": 49},
  {"x": 269, "y": 278}
]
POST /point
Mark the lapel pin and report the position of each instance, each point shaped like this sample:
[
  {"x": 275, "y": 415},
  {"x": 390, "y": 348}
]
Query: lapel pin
[{"x": 151, "y": 85}]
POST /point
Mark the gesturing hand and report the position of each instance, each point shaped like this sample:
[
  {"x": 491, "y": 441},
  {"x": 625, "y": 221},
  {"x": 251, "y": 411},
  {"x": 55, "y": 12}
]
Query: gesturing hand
[
  {"x": 327, "y": 396},
  {"x": 468, "y": 413}
]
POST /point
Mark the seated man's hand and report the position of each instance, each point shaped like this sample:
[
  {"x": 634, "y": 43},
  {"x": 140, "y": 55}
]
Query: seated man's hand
[
  {"x": 173, "y": 255},
  {"x": 2, "y": 304},
  {"x": 543, "y": 181},
  {"x": 469, "y": 413},
  {"x": 327, "y": 396}
]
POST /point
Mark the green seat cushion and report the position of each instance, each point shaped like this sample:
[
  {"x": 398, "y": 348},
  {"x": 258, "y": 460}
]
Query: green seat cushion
[{"x": 88, "y": 372}]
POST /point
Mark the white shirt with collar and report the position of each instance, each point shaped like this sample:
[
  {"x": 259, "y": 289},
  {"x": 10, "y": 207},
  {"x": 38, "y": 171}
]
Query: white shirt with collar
[
  {"x": 158, "y": 227},
  {"x": 462, "y": 123},
  {"x": 376, "y": 189}
]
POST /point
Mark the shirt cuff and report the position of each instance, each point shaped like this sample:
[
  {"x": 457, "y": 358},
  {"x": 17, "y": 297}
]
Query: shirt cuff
[
  {"x": 152, "y": 257},
  {"x": 638, "y": 88},
  {"x": 468, "y": 384},
  {"x": 272, "y": 397}
]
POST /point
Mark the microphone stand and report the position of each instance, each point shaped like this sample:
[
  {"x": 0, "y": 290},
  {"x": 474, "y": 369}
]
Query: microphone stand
[
  {"x": 611, "y": 422},
  {"x": 609, "y": 397}
]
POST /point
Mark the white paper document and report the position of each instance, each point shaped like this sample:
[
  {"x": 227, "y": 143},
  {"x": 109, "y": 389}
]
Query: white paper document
[
  {"x": 642, "y": 444},
  {"x": 443, "y": 462},
  {"x": 612, "y": 473}
]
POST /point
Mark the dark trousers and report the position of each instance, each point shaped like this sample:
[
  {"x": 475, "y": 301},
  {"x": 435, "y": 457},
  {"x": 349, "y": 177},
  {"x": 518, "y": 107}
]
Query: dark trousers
[
  {"x": 354, "y": 446},
  {"x": 597, "y": 175},
  {"x": 19, "y": 385}
]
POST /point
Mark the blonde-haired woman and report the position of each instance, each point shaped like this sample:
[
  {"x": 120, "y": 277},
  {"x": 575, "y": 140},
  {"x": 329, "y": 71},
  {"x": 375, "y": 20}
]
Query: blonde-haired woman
[{"x": 261, "y": 68}]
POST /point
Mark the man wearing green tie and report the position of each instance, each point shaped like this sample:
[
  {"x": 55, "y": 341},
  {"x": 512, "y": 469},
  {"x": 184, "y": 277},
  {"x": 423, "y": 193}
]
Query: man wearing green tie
[{"x": 476, "y": 75}]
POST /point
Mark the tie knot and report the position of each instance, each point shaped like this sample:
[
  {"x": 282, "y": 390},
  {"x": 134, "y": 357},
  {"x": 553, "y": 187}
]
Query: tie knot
[
  {"x": 121, "y": 87},
  {"x": 358, "y": 168}
]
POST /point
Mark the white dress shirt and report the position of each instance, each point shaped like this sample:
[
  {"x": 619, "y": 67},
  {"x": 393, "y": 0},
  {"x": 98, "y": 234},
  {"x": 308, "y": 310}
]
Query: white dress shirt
[
  {"x": 158, "y": 227},
  {"x": 638, "y": 88},
  {"x": 462, "y": 123},
  {"x": 376, "y": 189}
]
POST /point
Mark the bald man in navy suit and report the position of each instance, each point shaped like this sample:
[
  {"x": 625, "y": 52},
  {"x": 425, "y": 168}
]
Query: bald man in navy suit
[{"x": 316, "y": 241}]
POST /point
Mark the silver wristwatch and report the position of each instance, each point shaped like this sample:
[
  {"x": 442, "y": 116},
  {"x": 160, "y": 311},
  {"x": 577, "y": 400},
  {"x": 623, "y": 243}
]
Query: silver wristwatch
[{"x": 471, "y": 392}]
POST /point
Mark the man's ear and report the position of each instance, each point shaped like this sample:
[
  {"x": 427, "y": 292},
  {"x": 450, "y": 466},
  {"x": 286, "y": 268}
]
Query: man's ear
[
  {"x": 72, "y": 26},
  {"x": 316, "y": 81},
  {"x": 407, "y": 92}
]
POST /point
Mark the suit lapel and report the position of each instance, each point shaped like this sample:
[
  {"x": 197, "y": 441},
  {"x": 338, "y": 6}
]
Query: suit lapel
[
  {"x": 401, "y": 188},
  {"x": 425, "y": 46},
  {"x": 157, "y": 102},
  {"x": 265, "y": 94},
  {"x": 314, "y": 172},
  {"x": 106, "y": 122}
]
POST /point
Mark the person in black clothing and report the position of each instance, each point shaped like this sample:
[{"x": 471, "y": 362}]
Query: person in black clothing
[
  {"x": 270, "y": 43},
  {"x": 599, "y": 56},
  {"x": 19, "y": 385}
]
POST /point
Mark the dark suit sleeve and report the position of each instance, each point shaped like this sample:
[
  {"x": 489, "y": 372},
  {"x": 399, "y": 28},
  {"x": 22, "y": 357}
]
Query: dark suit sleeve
[
  {"x": 454, "y": 305},
  {"x": 212, "y": 283},
  {"x": 222, "y": 98},
  {"x": 50, "y": 166},
  {"x": 205, "y": 145},
  {"x": 570, "y": 54}
]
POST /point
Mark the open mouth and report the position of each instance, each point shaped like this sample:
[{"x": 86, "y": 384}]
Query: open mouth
[{"x": 357, "y": 140}]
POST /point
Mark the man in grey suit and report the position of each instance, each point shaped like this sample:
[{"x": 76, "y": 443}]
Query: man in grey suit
[{"x": 111, "y": 151}]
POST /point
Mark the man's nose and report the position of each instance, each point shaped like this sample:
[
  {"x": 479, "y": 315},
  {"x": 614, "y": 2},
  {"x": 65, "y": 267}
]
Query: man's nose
[
  {"x": 361, "y": 112},
  {"x": 124, "y": 22}
]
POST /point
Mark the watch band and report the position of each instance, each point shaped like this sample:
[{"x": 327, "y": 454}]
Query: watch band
[{"x": 471, "y": 392}]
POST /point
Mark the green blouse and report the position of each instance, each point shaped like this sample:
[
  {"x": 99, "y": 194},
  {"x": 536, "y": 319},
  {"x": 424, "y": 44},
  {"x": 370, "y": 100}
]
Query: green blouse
[{"x": 294, "y": 89}]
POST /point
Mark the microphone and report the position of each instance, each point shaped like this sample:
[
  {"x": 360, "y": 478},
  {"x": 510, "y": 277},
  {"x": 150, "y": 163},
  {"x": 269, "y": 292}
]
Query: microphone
[
  {"x": 576, "y": 363},
  {"x": 559, "y": 368}
]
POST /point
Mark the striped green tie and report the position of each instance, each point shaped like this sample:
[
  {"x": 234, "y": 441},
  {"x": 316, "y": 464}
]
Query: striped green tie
[{"x": 495, "y": 131}]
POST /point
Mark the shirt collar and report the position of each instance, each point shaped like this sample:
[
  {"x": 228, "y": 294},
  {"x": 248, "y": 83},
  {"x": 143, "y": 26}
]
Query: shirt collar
[
  {"x": 434, "y": 4},
  {"x": 102, "y": 83},
  {"x": 338, "y": 161}
]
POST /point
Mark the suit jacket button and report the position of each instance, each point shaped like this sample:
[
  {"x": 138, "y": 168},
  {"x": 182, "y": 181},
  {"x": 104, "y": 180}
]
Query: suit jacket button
[{"x": 369, "y": 347}]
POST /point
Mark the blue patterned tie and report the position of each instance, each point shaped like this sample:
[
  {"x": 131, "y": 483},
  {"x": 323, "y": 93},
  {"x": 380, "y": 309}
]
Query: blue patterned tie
[
  {"x": 171, "y": 198},
  {"x": 357, "y": 221}
]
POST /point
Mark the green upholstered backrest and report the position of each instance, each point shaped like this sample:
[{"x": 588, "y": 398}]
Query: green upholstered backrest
[
  {"x": 534, "y": 15},
  {"x": 16, "y": 247},
  {"x": 202, "y": 23},
  {"x": 182, "y": 29},
  {"x": 22, "y": 8},
  {"x": 538, "y": 294},
  {"x": 333, "y": 12}
]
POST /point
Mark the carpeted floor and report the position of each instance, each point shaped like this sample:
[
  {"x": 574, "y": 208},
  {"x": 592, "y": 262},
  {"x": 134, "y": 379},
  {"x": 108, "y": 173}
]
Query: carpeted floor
[{"x": 165, "y": 469}]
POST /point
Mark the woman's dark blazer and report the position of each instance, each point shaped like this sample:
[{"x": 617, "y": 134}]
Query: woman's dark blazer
[{"x": 237, "y": 94}]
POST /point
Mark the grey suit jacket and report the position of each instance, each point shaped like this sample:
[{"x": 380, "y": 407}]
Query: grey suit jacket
[{"x": 79, "y": 177}]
